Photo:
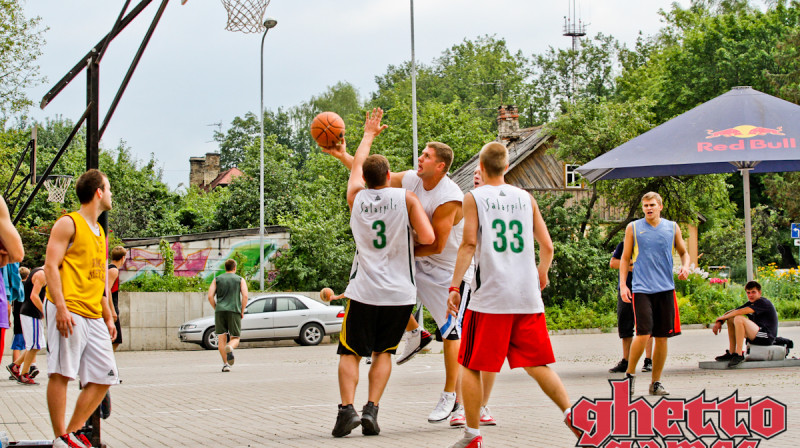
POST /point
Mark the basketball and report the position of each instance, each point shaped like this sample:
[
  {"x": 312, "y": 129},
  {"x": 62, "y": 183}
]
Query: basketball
[
  {"x": 326, "y": 294},
  {"x": 327, "y": 129}
]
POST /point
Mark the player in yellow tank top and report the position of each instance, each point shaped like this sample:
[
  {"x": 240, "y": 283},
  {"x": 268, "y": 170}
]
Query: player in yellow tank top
[
  {"x": 80, "y": 320},
  {"x": 83, "y": 270}
]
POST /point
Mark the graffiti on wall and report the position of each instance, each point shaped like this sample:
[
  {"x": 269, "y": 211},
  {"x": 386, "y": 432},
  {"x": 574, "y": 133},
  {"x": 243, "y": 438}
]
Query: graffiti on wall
[{"x": 204, "y": 258}]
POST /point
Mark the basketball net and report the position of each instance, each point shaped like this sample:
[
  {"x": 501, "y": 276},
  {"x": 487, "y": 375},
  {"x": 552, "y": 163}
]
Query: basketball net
[
  {"x": 245, "y": 15},
  {"x": 57, "y": 187}
]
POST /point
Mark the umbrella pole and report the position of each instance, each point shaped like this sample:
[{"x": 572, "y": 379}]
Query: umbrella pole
[{"x": 748, "y": 224}]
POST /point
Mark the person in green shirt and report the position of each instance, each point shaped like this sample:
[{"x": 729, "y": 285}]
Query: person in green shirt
[{"x": 231, "y": 299}]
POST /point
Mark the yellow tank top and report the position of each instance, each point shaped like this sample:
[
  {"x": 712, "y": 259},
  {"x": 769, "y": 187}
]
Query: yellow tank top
[{"x": 83, "y": 271}]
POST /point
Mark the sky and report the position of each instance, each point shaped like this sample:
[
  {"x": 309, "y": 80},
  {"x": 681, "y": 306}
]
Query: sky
[{"x": 195, "y": 76}]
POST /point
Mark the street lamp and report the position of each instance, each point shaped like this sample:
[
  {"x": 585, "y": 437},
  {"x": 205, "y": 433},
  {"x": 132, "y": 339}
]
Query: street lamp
[{"x": 268, "y": 24}]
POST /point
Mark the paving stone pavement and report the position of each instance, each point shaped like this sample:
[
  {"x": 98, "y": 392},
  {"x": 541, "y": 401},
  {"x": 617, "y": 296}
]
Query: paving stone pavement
[{"x": 286, "y": 396}]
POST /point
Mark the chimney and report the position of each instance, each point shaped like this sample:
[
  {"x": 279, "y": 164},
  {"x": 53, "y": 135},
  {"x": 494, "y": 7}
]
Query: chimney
[
  {"x": 507, "y": 123},
  {"x": 196, "y": 171}
]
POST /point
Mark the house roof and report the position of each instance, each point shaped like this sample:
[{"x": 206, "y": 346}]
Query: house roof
[
  {"x": 224, "y": 178},
  {"x": 530, "y": 140}
]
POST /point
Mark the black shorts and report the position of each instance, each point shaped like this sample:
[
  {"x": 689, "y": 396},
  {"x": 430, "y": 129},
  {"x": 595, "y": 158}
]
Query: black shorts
[
  {"x": 762, "y": 338},
  {"x": 625, "y": 319},
  {"x": 657, "y": 314},
  {"x": 371, "y": 328}
]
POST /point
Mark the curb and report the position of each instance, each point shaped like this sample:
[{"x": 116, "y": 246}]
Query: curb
[{"x": 574, "y": 331}]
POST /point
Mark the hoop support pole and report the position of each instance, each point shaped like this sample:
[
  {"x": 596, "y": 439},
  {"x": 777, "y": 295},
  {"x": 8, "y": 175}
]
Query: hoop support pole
[{"x": 52, "y": 165}]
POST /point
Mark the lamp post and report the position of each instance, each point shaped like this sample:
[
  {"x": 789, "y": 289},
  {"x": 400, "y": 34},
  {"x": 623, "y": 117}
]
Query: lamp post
[
  {"x": 413, "y": 90},
  {"x": 268, "y": 24}
]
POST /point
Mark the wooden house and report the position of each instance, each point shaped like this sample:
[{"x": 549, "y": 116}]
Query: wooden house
[{"x": 533, "y": 167}]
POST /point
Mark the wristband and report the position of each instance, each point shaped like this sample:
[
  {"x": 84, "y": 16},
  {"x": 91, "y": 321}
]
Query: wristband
[{"x": 454, "y": 288}]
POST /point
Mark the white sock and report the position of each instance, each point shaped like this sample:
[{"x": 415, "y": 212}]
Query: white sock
[
  {"x": 471, "y": 432},
  {"x": 450, "y": 394}
]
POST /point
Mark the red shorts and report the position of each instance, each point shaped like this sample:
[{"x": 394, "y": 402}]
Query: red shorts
[{"x": 488, "y": 339}]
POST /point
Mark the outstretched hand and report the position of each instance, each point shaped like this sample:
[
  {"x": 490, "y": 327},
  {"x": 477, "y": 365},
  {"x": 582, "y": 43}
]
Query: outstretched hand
[
  {"x": 372, "y": 125},
  {"x": 338, "y": 150}
]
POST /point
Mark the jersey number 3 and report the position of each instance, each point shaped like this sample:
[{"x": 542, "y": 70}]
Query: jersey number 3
[
  {"x": 380, "y": 232},
  {"x": 501, "y": 242}
]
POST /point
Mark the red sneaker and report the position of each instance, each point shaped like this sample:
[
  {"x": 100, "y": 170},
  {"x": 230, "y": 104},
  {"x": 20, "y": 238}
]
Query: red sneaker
[
  {"x": 466, "y": 442},
  {"x": 13, "y": 369},
  {"x": 26, "y": 379}
]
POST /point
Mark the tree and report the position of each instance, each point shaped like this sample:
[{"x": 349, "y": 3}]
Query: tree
[
  {"x": 708, "y": 48},
  {"x": 143, "y": 205},
  {"x": 239, "y": 208},
  {"x": 20, "y": 45},
  {"x": 589, "y": 130},
  {"x": 591, "y": 70}
]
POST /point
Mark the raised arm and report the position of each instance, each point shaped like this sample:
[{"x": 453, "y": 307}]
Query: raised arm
[
  {"x": 11, "y": 250},
  {"x": 340, "y": 153},
  {"x": 372, "y": 128},
  {"x": 542, "y": 237},
  {"x": 423, "y": 231}
]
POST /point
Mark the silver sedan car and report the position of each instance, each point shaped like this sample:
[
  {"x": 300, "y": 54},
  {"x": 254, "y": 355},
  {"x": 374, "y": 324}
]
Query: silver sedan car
[{"x": 273, "y": 317}]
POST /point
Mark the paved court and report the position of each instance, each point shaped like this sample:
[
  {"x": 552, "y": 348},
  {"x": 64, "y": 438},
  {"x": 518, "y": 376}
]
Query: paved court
[{"x": 286, "y": 397}]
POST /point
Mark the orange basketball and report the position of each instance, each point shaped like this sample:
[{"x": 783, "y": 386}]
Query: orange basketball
[
  {"x": 327, "y": 129},
  {"x": 326, "y": 294}
]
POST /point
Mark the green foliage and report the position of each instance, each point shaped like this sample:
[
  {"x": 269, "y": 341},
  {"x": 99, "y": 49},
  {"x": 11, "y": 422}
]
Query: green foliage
[
  {"x": 20, "y": 45},
  {"x": 152, "y": 282},
  {"x": 601, "y": 313},
  {"x": 706, "y": 49},
  {"x": 143, "y": 206},
  {"x": 580, "y": 271},
  {"x": 168, "y": 255},
  {"x": 321, "y": 247}
]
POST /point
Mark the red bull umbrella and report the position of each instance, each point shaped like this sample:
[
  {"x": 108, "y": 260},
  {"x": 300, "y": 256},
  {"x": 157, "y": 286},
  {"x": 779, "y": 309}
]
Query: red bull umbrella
[{"x": 743, "y": 130}]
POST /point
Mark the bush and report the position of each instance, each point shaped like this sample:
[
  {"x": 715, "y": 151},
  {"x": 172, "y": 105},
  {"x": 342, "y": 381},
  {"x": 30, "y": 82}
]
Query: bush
[{"x": 152, "y": 282}]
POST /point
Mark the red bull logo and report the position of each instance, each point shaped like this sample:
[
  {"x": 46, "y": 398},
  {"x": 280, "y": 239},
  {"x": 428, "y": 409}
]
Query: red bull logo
[{"x": 747, "y": 132}]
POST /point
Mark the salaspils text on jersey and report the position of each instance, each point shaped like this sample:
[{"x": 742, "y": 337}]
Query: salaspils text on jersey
[
  {"x": 367, "y": 207},
  {"x": 511, "y": 207}
]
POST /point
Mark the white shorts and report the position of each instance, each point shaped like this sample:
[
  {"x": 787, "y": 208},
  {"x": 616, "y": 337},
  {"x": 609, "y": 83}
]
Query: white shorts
[
  {"x": 32, "y": 332},
  {"x": 86, "y": 353},
  {"x": 433, "y": 283}
]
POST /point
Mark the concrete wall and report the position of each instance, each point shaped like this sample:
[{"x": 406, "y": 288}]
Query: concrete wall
[{"x": 150, "y": 320}]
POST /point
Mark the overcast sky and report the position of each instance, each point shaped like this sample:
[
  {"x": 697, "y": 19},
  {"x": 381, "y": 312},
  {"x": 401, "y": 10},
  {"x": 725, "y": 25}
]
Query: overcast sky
[{"x": 194, "y": 73}]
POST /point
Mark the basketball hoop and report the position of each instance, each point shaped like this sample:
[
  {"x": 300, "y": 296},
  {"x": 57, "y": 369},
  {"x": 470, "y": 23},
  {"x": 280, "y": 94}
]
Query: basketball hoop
[
  {"x": 245, "y": 15},
  {"x": 57, "y": 186}
]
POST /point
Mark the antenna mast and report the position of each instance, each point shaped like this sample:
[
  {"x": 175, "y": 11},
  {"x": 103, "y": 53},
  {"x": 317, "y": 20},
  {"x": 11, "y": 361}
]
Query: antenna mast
[{"x": 574, "y": 28}]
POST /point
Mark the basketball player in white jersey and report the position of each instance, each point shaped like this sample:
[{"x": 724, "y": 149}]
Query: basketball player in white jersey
[
  {"x": 505, "y": 315},
  {"x": 441, "y": 199},
  {"x": 386, "y": 222}
]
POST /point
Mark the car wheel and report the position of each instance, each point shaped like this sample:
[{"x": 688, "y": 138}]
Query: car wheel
[
  {"x": 209, "y": 339},
  {"x": 311, "y": 334}
]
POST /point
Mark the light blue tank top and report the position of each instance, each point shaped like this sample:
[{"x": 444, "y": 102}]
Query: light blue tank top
[{"x": 652, "y": 252}]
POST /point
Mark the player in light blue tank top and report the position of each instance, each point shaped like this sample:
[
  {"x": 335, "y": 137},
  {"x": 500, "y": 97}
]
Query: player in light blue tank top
[
  {"x": 653, "y": 256},
  {"x": 650, "y": 242}
]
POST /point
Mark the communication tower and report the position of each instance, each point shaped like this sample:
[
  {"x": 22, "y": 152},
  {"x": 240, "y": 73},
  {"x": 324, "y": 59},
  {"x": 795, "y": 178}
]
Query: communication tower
[{"x": 574, "y": 28}]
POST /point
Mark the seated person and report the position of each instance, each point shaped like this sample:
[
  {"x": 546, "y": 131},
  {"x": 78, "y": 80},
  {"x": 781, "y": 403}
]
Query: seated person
[{"x": 760, "y": 329}]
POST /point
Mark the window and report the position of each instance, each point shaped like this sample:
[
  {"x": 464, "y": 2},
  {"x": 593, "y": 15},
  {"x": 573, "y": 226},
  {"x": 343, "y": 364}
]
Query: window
[
  {"x": 260, "y": 306},
  {"x": 288, "y": 304},
  {"x": 572, "y": 178}
]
